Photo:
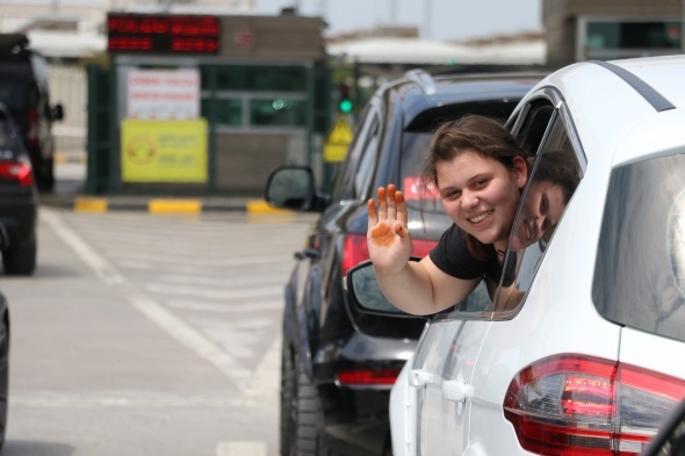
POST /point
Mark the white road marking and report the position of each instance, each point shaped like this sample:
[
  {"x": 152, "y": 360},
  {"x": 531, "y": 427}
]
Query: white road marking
[
  {"x": 265, "y": 381},
  {"x": 139, "y": 400},
  {"x": 244, "y": 448},
  {"x": 259, "y": 292},
  {"x": 226, "y": 307},
  {"x": 102, "y": 268},
  {"x": 173, "y": 325}
]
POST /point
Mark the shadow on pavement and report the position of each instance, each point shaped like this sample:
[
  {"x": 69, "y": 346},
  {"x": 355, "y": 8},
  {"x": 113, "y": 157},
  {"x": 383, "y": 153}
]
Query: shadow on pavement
[{"x": 26, "y": 448}]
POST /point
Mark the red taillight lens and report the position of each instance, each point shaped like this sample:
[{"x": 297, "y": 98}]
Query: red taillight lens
[
  {"x": 19, "y": 171},
  {"x": 32, "y": 127},
  {"x": 355, "y": 250},
  {"x": 368, "y": 377},
  {"x": 573, "y": 405}
]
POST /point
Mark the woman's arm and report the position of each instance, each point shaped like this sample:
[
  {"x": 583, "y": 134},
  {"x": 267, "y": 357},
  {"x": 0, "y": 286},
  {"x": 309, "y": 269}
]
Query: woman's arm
[{"x": 418, "y": 288}]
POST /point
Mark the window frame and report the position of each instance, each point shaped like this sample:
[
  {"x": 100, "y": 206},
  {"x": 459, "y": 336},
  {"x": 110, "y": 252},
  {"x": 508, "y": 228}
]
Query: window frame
[{"x": 515, "y": 123}]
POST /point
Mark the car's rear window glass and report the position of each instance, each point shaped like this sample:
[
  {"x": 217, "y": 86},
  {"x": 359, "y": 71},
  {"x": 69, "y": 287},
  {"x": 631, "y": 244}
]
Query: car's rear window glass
[
  {"x": 640, "y": 269},
  {"x": 13, "y": 94},
  {"x": 416, "y": 141}
]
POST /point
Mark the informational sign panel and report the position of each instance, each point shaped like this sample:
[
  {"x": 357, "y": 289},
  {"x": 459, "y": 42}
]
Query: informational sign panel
[
  {"x": 163, "y": 94},
  {"x": 169, "y": 151},
  {"x": 337, "y": 141}
]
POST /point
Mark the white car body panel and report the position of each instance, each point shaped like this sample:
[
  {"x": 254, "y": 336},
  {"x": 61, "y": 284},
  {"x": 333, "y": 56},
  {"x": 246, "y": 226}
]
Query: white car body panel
[{"x": 615, "y": 126}]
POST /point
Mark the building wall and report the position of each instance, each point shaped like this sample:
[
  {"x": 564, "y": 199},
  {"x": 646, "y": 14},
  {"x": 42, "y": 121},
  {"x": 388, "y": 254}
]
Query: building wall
[{"x": 559, "y": 18}]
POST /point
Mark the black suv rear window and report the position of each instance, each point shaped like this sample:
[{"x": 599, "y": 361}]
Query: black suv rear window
[{"x": 640, "y": 270}]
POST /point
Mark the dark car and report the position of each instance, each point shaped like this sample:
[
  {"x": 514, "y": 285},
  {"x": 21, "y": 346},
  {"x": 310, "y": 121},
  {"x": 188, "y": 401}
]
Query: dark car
[
  {"x": 18, "y": 200},
  {"x": 4, "y": 350},
  {"x": 24, "y": 91},
  {"x": 338, "y": 365}
]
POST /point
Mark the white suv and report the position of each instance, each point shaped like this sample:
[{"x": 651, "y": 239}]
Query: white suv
[{"x": 587, "y": 356}]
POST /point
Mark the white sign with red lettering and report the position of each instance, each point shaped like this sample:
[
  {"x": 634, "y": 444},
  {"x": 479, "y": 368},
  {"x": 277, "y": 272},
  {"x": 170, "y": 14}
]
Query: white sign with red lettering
[{"x": 163, "y": 94}]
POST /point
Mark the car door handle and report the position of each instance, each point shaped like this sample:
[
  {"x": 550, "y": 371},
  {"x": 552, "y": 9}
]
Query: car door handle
[
  {"x": 419, "y": 377},
  {"x": 456, "y": 390},
  {"x": 308, "y": 253}
]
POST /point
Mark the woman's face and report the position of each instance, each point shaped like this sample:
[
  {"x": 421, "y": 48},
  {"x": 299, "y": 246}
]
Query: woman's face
[
  {"x": 542, "y": 209},
  {"x": 480, "y": 194}
]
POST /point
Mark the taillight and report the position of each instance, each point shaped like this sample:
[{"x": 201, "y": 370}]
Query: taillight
[
  {"x": 573, "y": 404},
  {"x": 19, "y": 171},
  {"x": 32, "y": 127},
  {"x": 355, "y": 250},
  {"x": 368, "y": 377}
]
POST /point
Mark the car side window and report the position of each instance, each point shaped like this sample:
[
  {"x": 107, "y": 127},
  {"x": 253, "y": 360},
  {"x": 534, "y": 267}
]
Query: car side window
[
  {"x": 364, "y": 173},
  {"x": 554, "y": 177},
  {"x": 344, "y": 182}
]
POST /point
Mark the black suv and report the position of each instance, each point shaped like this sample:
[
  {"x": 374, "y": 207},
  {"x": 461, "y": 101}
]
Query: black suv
[
  {"x": 338, "y": 365},
  {"x": 24, "y": 91}
]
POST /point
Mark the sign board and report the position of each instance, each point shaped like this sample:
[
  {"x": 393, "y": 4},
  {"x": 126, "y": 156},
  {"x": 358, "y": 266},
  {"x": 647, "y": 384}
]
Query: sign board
[
  {"x": 169, "y": 151},
  {"x": 163, "y": 33},
  {"x": 337, "y": 141},
  {"x": 163, "y": 94}
]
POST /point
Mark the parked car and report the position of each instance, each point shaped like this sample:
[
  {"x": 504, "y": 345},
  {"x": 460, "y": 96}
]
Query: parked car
[
  {"x": 338, "y": 364},
  {"x": 24, "y": 91},
  {"x": 587, "y": 358},
  {"x": 18, "y": 200},
  {"x": 4, "y": 350}
]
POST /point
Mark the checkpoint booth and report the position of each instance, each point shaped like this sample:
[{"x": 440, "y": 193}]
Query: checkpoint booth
[{"x": 205, "y": 104}]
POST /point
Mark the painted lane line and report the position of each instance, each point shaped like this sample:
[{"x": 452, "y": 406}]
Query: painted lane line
[
  {"x": 244, "y": 448},
  {"x": 174, "y": 326},
  {"x": 102, "y": 268},
  {"x": 228, "y": 307},
  {"x": 271, "y": 292}
]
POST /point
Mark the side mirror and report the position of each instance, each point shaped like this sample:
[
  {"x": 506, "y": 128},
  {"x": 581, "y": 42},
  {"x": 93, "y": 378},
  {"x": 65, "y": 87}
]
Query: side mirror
[
  {"x": 292, "y": 187},
  {"x": 57, "y": 112},
  {"x": 670, "y": 441},
  {"x": 366, "y": 295}
]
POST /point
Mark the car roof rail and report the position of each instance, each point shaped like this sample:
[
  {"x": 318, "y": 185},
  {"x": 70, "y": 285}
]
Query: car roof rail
[{"x": 423, "y": 79}]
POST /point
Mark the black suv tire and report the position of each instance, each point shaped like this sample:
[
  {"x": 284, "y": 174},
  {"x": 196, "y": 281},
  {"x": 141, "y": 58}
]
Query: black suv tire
[
  {"x": 301, "y": 410},
  {"x": 20, "y": 259}
]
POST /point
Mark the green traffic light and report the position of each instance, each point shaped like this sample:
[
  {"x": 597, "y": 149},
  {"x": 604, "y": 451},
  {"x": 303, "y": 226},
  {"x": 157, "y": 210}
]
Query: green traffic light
[{"x": 345, "y": 106}]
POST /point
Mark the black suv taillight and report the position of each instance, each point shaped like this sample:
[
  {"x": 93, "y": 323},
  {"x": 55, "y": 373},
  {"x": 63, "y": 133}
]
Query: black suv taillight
[{"x": 581, "y": 405}]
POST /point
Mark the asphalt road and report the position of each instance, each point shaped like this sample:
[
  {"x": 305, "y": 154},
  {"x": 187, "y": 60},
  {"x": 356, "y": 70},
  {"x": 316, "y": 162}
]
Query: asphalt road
[{"x": 149, "y": 335}]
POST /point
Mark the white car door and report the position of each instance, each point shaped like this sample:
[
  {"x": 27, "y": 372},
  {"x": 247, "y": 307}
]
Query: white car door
[{"x": 440, "y": 376}]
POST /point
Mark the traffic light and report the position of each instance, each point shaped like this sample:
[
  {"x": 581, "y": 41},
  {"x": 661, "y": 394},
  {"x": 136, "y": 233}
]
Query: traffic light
[{"x": 345, "y": 104}]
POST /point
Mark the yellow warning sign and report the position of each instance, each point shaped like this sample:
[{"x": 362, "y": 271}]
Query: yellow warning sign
[{"x": 337, "y": 141}]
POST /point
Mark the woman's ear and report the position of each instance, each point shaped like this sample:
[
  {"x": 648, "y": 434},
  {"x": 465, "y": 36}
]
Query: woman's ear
[{"x": 520, "y": 170}]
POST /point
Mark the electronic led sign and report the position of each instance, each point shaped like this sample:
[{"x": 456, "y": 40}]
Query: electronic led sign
[{"x": 162, "y": 33}]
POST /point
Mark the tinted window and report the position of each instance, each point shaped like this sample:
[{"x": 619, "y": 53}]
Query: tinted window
[
  {"x": 554, "y": 178},
  {"x": 640, "y": 270},
  {"x": 343, "y": 184},
  {"x": 14, "y": 94}
]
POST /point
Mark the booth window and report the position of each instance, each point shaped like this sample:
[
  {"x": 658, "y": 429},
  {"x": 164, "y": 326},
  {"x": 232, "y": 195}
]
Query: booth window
[
  {"x": 261, "y": 78},
  {"x": 226, "y": 111},
  {"x": 278, "y": 112}
]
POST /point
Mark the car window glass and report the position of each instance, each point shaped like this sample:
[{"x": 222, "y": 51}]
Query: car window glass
[
  {"x": 535, "y": 123},
  {"x": 364, "y": 173},
  {"x": 344, "y": 178},
  {"x": 640, "y": 269},
  {"x": 554, "y": 178}
]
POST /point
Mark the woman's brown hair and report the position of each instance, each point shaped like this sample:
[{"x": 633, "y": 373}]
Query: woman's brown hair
[{"x": 487, "y": 137}]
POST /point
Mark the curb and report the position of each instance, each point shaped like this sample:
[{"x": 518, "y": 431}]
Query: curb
[{"x": 164, "y": 206}]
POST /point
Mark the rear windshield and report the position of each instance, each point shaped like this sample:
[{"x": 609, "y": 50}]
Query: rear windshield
[
  {"x": 14, "y": 94},
  {"x": 640, "y": 270},
  {"x": 416, "y": 141}
]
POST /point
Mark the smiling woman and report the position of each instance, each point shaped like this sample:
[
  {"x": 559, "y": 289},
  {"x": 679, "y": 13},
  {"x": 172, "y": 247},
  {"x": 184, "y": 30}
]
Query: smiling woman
[{"x": 479, "y": 170}]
